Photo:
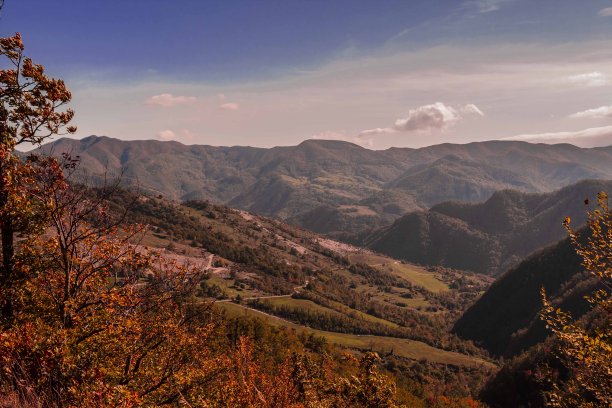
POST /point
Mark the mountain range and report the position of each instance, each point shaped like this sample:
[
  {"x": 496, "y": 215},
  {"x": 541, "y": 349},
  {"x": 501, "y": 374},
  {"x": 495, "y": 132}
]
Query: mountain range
[{"x": 337, "y": 187}]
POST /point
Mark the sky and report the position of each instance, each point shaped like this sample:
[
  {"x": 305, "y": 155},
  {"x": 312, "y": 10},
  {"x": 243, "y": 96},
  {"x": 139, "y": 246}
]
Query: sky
[{"x": 377, "y": 73}]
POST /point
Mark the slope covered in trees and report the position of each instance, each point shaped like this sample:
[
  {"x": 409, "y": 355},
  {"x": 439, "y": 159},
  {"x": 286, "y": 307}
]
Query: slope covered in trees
[
  {"x": 571, "y": 368},
  {"x": 505, "y": 320},
  {"x": 487, "y": 237}
]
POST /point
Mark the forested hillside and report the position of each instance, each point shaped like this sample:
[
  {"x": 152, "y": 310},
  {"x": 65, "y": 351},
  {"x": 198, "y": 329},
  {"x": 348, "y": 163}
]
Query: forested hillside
[
  {"x": 505, "y": 320},
  {"x": 487, "y": 237}
]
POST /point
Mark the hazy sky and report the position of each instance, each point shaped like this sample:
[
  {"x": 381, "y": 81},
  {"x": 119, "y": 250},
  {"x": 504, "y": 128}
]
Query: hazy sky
[{"x": 378, "y": 73}]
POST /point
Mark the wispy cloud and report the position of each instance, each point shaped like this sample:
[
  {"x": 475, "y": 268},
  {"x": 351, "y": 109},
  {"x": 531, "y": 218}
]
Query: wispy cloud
[
  {"x": 167, "y": 100},
  {"x": 486, "y": 6},
  {"x": 595, "y": 113},
  {"x": 376, "y": 131},
  {"x": 229, "y": 106},
  {"x": 592, "y": 137},
  {"x": 605, "y": 12},
  {"x": 595, "y": 78},
  {"x": 437, "y": 116}
]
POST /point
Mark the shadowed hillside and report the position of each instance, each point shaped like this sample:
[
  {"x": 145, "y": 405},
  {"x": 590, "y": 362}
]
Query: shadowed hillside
[
  {"x": 488, "y": 237},
  {"x": 505, "y": 319}
]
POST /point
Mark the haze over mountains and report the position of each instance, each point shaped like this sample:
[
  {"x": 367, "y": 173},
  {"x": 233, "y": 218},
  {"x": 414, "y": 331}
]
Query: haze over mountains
[{"x": 357, "y": 188}]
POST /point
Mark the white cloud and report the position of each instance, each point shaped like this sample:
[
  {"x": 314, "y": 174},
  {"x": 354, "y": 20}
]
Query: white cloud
[
  {"x": 437, "y": 116},
  {"x": 376, "y": 131},
  {"x": 331, "y": 135},
  {"x": 589, "y": 79},
  {"x": 471, "y": 109},
  {"x": 166, "y": 135},
  {"x": 167, "y": 100},
  {"x": 592, "y": 137},
  {"x": 595, "y": 113},
  {"x": 183, "y": 135},
  {"x": 606, "y": 12},
  {"x": 229, "y": 106}
]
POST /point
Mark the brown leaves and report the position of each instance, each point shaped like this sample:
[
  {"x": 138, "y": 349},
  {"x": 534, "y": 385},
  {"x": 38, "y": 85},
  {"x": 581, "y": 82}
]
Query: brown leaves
[
  {"x": 11, "y": 46},
  {"x": 586, "y": 351},
  {"x": 31, "y": 101}
]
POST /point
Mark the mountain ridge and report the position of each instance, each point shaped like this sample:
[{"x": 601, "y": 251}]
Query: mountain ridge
[{"x": 289, "y": 182}]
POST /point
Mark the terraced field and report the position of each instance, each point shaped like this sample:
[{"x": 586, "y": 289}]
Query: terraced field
[
  {"x": 339, "y": 308},
  {"x": 415, "y": 350}
]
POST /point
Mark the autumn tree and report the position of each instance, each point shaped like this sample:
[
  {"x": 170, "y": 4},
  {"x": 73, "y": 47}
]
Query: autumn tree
[
  {"x": 31, "y": 111},
  {"x": 99, "y": 320},
  {"x": 89, "y": 318},
  {"x": 585, "y": 347}
]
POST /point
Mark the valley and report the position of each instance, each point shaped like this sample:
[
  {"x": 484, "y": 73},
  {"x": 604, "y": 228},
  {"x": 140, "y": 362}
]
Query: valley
[
  {"x": 291, "y": 277},
  {"x": 350, "y": 263}
]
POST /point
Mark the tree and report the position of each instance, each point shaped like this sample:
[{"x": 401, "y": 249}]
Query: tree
[
  {"x": 31, "y": 111},
  {"x": 88, "y": 329},
  {"x": 79, "y": 326},
  {"x": 585, "y": 347}
]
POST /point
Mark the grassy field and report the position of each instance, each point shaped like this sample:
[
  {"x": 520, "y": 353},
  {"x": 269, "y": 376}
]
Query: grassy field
[
  {"x": 415, "y": 274},
  {"x": 228, "y": 287},
  {"x": 401, "y": 347},
  {"x": 338, "y": 308},
  {"x": 301, "y": 304},
  {"x": 397, "y": 299}
]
